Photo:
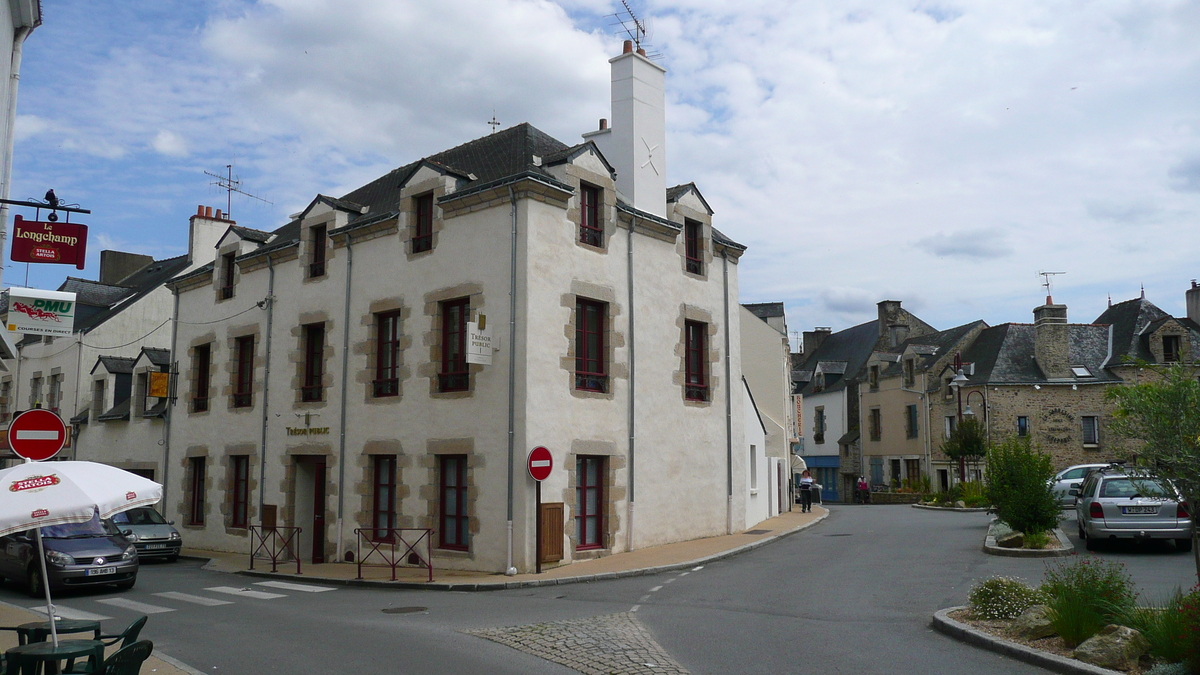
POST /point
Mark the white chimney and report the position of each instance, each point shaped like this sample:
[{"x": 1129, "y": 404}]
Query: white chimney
[{"x": 636, "y": 142}]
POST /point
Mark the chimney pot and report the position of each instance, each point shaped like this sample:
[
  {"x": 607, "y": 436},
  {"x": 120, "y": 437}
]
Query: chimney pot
[
  {"x": 641, "y": 51},
  {"x": 604, "y": 125},
  {"x": 628, "y": 48},
  {"x": 200, "y": 210},
  {"x": 208, "y": 212},
  {"x": 219, "y": 214}
]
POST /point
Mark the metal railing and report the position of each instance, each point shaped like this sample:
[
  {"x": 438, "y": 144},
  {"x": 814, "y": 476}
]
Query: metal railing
[
  {"x": 386, "y": 544},
  {"x": 275, "y": 544}
]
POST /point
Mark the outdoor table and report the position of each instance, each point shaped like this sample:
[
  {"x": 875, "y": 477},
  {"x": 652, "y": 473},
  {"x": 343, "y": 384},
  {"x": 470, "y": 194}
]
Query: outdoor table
[
  {"x": 39, "y": 631},
  {"x": 38, "y": 653}
]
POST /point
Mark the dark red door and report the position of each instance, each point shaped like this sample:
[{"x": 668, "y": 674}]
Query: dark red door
[{"x": 318, "y": 536}]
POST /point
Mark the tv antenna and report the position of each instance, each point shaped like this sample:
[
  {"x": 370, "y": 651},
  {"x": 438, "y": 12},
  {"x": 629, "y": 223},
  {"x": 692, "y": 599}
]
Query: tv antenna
[
  {"x": 230, "y": 185},
  {"x": 635, "y": 28},
  {"x": 494, "y": 124},
  {"x": 1048, "y": 278}
]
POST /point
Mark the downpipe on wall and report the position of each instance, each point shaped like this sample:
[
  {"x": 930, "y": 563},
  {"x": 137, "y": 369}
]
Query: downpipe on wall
[
  {"x": 341, "y": 513},
  {"x": 632, "y": 391},
  {"x": 509, "y": 569}
]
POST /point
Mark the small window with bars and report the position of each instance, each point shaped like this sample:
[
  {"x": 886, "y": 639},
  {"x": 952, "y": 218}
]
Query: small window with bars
[
  {"x": 316, "y": 265},
  {"x": 422, "y": 239},
  {"x": 695, "y": 361},
  {"x": 590, "y": 371},
  {"x": 591, "y": 231},
  {"x": 387, "y": 354},
  {"x": 694, "y": 246}
]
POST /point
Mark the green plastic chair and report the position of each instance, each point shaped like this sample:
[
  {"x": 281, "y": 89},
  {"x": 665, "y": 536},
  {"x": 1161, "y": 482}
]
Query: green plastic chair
[
  {"x": 128, "y": 660},
  {"x": 126, "y": 637}
]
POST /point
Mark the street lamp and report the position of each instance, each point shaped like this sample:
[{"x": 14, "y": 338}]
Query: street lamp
[{"x": 957, "y": 383}]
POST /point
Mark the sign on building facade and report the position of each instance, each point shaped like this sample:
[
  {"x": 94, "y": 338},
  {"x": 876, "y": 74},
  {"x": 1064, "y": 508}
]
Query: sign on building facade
[
  {"x": 36, "y": 312},
  {"x": 479, "y": 343},
  {"x": 36, "y": 241}
]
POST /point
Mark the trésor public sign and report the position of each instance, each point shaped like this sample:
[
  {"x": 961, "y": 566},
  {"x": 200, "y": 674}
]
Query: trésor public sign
[
  {"x": 34, "y": 241},
  {"x": 37, "y": 312}
]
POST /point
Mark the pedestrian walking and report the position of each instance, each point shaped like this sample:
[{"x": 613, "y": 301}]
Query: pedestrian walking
[
  {"x": 806, "y": 488},
  {"x": 864, "y": 491}
]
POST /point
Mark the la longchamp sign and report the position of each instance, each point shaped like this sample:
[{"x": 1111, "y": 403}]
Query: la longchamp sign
[
  {"x": 35, "y": 241},
  {"x": 36, "y": 312}
]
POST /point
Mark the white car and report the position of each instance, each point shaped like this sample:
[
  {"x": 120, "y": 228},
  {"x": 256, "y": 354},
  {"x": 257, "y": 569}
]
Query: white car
[{"x": 1061, "y": 483}]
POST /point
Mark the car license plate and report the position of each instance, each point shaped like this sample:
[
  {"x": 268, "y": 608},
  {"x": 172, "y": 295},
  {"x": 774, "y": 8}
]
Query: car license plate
[
  {"x": 153, "y": 547},
  {"x": 1139, "y": 509},
  {"x": 101, "y": 570}
]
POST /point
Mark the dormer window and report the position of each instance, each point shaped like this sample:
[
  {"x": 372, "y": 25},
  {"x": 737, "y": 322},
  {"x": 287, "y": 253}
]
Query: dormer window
[
  {"x": 316, "y": 266},
  {"x": 1081, "y": 371},
  {"x": 910, "y": 376},
  {"x": 227, "y": 270},
  {"x": 873, "y": 377},
  {"x": 693, "y": 246},
  {"x": 1170, "y": 348},
  {"x": 423, "y": 227},
  {"x": 591, "y": 231}
]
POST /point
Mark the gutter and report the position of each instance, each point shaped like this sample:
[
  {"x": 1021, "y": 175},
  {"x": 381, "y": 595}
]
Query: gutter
[
  {"x": 509, "y": 569},
  {"x": 174, "y": 365},
  {"x": 632, "y": 391},
  {"x": 341, "y": 513},
  {"x": 728, "y": 400},
  {"x": 262, "y": 448}
]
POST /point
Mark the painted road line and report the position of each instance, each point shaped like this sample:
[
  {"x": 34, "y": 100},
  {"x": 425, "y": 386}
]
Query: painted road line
[
  {"x": 644, "y": 598},
  {"x": 68, "y": 613},
  {"x": 634, "y": 608},
  {"x": 135, "y": 606},
  {"x": 656, "y": 589},
  {"x": 245, "y": 592},
  {"x": 306, "y": 588},
  {"x": 194, "y": 599},
  {"x": 698, "y": 568}
]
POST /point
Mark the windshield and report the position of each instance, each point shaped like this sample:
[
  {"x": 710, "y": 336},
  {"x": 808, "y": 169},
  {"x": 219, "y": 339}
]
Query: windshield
[
  {"x": 1135, "y": 487},
  {"x": 139, "y": 517},
  {"x": 92, "y": 528}
]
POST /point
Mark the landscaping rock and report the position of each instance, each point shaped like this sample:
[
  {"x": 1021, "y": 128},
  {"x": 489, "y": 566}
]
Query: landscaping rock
[
  {"x": 960, "y": 504},
  {"x": 1116, "y": 647},
  {"x": 1034, "y": 623},
  {"x": 1011, "y": 540}
]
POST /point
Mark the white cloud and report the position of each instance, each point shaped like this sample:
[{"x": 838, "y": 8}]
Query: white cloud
[
  {"x": 169, "y": 143},
  {"x": 972, "y": 244}
]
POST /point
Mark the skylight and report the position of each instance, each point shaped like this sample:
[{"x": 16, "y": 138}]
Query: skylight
[{"x": 1081, "y": 371}]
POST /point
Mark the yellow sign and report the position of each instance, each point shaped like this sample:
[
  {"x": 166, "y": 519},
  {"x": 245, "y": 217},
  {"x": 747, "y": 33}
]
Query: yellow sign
[{"x": 159, "y": 385}]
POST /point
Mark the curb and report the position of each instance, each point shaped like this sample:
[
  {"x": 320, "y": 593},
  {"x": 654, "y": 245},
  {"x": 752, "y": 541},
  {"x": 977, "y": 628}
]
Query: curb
[
  {"x": 530, "y": 583},
  {"x": 1066, "y": 548},
  {"x": 979, "y": 509},
  {"x": 1059, "y": 664}
]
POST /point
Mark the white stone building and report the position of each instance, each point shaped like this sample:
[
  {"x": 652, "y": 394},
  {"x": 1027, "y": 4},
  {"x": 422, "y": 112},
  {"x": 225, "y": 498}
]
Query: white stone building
[
  {"x": 766, "y": 371},
  {"x": 325, "y": 383}
]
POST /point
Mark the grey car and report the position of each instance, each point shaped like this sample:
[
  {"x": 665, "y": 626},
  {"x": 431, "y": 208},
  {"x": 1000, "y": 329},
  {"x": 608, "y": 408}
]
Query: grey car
[
  {"x": 77, "y": 554},
  {"x": 1072, "y": 475},
  {"x": 152, "y": 535},
  {"x": 1115, "y": 505}
]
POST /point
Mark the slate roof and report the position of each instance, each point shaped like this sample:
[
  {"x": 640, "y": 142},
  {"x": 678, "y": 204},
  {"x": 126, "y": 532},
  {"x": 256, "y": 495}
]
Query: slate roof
[
  {"x": 141, "y": 283},
  {"x": 250, "y": 234},
  {"x": 119, "y": 411},
  {"x": 851, "y": 347},
  {"x": 1004, "y": 354},
  {"x": 929, "y": 348},
  {"x": 157, "y": 356},
  {"x": 765, "y": 310},
  {"x": 1129, "y": 320},
  {"x": 115, "y": 364}
]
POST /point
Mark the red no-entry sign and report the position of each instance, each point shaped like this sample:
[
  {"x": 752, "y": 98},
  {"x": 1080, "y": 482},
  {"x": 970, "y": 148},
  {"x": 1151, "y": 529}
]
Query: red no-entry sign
[
  {"x": 541, "y": 463},
  {"x": 37, "y": 434}
]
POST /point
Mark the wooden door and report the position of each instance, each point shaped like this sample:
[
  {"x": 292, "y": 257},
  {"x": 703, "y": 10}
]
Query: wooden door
[{"x": 552, "y": 533}]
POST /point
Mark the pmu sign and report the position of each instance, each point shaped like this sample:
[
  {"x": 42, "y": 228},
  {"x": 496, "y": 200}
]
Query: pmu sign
[
  {"x": 35, "y": 241},
  {"x": 37, "y": 312}
]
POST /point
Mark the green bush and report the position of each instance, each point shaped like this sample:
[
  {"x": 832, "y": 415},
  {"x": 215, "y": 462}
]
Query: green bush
[
  {"x": 1189, "y": 607},
  {"x": 1018, "y": 486},
  {"x": 1037, "y": 539},
  {"x": 1001, "y": 598},
  {"x": 1086, "y": 595},
  {"x": 1164, "y": 627}
]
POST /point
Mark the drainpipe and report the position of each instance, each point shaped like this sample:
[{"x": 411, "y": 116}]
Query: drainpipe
[
  {"x": 262, "y": 447},
  {"x": 9, "y": 134},
  {"x": 928, "y": 428},
  {"x": 172, "y": 364},
  {"x": 345, "y": 373},
  {"x": 728, "y": 399},
  {"x": 632, "y": 391},
  {"x": 509, "y": 569},
  {"x": 78, "y": 374}
]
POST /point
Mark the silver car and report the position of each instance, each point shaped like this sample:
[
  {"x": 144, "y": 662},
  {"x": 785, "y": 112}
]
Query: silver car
[
  {"x": 1061, "y": 483},
  {"x": 1115, "y": 505},
  {"x": 152, "y": 535}
]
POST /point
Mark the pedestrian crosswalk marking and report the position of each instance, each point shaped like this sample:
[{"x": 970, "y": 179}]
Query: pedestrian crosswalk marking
[
  {"x": 246, "y": 592},
  {"x": 135, "y": 605},
  {"x": 68, "y": 613},
  {"x": 307, "y": 588},
  {"x": 194, "y": 599}
]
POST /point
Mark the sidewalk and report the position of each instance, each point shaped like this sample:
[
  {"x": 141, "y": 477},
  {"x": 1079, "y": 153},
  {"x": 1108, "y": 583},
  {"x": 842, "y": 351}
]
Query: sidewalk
[
  {"x": 12, "y": 615},
  {"x": 634, "y": 563}
]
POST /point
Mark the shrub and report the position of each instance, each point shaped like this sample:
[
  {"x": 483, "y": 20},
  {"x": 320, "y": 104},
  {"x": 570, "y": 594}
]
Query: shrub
[
  {"x": 1018, "y": 486},
  {"x": 1037, "y": 539},
  {"x": 1189, "y": 607},
  {"x": 1086, "y": 595},
  {"x": 1163, "y": 627},
  {"x": 1001, "y": 598}
]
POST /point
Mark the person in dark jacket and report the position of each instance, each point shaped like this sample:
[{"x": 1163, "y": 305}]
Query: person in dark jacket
[{"x": 806, "y": 490}]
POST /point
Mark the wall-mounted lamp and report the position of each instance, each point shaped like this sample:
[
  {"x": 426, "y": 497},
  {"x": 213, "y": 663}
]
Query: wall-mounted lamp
[{"x": 1037, "y": 386}]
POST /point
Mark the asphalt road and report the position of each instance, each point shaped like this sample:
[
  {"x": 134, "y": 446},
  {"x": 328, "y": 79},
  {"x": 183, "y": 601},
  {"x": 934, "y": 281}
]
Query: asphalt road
[{"x": 852, "y": 595}]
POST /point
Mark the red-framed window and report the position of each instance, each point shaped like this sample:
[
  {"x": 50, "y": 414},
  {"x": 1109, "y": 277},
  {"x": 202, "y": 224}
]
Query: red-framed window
[
  {"x": 5, "y": 407},
  {"x": 240, "y": 468},
  {"x": 387, "y": 354},
  {"x": 196, "y": 481},
  {"x": 591, "y": 231},
  {"x": 590, "y": 371},
  {"x": 227, "y": 270},
  {"x": 202, "y": 362},
  {"x": 454, "y": 375},
  {"x": 694, "y": 246},
  {"x": 243, "y": 391},
  {"x": 453, "y": 490},
  {"x": 423, "y": 228},
  {"x": 316, "y": 266},
  {"x": 696, "y": 348},
  {"x": 314, "y": 362},
  {"x": 589, "y": 502},
  {"x": 383, "y": 509}
]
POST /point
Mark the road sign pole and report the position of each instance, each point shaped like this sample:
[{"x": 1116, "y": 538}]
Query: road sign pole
[{"x": 537, "y": 520}]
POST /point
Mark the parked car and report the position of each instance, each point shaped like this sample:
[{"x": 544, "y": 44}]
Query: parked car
[
  {"x": 77, "y": 554},
  {"x": 150, "y": 533},
  {"x": 1115, "y": 505},
  {"x": 1061, "y": 483}
]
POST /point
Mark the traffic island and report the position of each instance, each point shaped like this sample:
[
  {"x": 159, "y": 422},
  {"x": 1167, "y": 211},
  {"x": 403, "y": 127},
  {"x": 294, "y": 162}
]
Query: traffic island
[
  {"x": 1063, "y": 546},
  {"x": 947, "y": 621}
]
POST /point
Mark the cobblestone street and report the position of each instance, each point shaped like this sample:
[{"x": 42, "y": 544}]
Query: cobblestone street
[{"x": 613, "y": 644}]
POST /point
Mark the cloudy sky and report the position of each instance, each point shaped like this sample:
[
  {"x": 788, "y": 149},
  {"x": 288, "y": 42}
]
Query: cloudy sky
[{"x": 939, "y": 153}]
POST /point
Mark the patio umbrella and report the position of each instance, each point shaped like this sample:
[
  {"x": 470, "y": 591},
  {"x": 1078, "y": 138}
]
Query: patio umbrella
[{"x": 38, "y": 494}]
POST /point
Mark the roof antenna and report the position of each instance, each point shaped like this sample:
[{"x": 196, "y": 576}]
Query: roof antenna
[
  {"x": 636, "y": 29},
  {"x": 230, "y": 184},
  {"x": 494, "y": 124},
  {"x": 1046, "y": 283},
  {"x": 1143, "y": 291},
  {"x": 1110, "y": 299}
]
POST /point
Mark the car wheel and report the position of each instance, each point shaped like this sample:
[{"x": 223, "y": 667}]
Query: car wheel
[
  {"x": 33, "y": 584},
  {"x": 1082, "y": 534},
  {"x": 1183, "y": 545},
  {"x": 1091, "y": 544},
  {"x": 172, "y": 558}
]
